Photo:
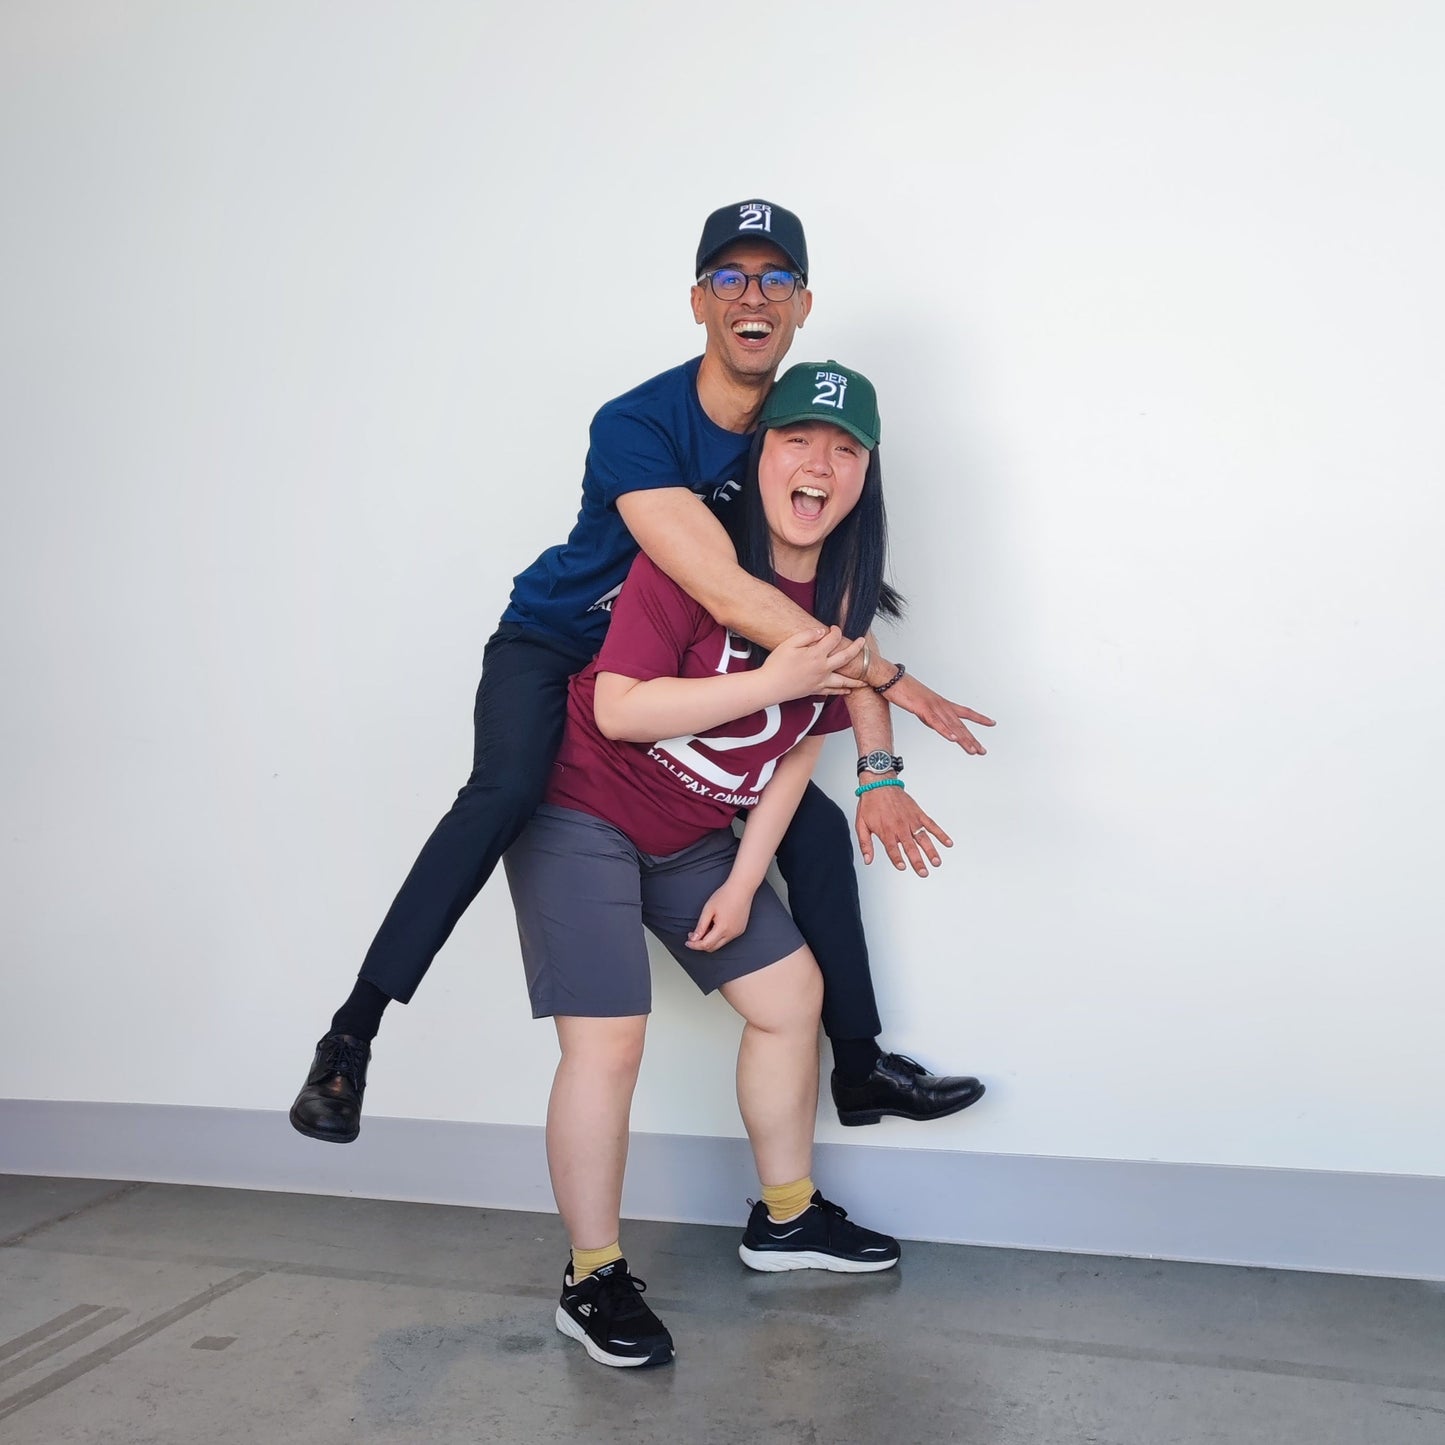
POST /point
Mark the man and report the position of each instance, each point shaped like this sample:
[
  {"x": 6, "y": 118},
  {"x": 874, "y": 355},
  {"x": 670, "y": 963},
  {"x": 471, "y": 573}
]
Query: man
[{"x": 655, "y": 454}]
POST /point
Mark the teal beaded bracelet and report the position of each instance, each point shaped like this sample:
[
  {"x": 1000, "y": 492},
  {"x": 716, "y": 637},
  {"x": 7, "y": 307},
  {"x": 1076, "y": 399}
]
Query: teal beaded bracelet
[{"x": 881, "y": 783}]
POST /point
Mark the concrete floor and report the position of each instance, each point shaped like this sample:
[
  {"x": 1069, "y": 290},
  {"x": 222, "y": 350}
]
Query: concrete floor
[{"x": 159, "y": 1313}]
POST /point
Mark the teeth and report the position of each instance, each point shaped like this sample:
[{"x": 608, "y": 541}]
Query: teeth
[
  {"x": 813, "y": 492},
  {"x": 753, "y": 328}
]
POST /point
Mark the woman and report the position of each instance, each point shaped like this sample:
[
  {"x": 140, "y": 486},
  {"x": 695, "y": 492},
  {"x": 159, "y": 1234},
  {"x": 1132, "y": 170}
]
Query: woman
[{"x": 636, "y": 831}]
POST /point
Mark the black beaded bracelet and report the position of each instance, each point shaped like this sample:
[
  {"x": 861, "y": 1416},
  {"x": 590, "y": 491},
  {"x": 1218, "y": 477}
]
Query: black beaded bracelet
[{"x": 881, "y": 690}]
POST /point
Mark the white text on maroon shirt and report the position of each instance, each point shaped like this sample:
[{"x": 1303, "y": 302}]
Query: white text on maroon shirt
[{"x": 693, "y": 785}]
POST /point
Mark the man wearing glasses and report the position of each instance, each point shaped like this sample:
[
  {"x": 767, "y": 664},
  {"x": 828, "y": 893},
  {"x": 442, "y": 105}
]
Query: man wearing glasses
[{"x": 659, "y": 457}]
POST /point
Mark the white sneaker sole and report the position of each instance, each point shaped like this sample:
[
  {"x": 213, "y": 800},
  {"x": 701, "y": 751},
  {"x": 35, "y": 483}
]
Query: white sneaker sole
[
  {"x": 774, "y": 1261},
  {"x": 569, "y": 1327}
]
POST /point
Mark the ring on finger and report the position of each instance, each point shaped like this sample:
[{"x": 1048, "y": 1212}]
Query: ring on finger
[{"x": 917, "y": 831}]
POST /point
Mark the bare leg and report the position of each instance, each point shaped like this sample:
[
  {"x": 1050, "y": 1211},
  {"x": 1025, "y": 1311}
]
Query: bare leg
[
  {"x": 778, "y": 1063},
  {"x": 587, "y": 1122}
]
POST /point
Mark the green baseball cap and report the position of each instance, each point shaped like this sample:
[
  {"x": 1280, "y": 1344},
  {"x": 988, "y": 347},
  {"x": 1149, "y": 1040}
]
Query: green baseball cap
[{"x": 824, "y": 391}]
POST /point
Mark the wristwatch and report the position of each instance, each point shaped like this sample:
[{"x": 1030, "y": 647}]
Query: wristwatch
[{"x": 879, "y": 762}]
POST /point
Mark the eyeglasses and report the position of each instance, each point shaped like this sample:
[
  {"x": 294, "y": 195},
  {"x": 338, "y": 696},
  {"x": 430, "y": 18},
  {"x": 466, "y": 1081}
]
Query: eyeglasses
[{"x": 730, "y": 284}]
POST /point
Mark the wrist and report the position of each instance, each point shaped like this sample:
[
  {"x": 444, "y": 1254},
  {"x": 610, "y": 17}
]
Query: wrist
[
  {"x": 739, "y": 889},
  {"x": 898, "y": 687},
  {"x": 896, "y": 673},
  {"x": 868, "y": 787},
  {"x": 879, "y": 762},
  {"x": 768, "y": 686},
  {"x": 747, "y": 873}
]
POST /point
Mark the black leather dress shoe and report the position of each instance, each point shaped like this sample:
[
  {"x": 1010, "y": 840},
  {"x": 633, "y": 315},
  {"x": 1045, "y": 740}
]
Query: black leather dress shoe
[
  {"x": 329, "y": 1104},
  {"x": 901, "y": 1086}
]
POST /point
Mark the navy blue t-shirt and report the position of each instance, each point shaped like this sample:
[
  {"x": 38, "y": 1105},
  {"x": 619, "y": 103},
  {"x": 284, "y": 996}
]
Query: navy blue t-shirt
[{"x": 656, "y": 435}]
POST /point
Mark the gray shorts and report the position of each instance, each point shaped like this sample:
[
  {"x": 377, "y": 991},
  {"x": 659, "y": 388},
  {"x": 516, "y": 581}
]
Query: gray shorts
[{"x": 583, "y": 892}]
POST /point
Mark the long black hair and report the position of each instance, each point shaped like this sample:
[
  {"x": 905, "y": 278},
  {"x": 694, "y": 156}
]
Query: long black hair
[{"x": 851, "y": 589}]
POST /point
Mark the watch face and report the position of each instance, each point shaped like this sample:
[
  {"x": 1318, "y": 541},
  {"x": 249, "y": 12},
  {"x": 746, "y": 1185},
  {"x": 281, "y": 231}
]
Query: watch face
[{"x": 880, "y": 762}]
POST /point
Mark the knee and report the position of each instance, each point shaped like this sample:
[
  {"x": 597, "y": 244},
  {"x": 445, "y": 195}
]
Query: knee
[
  {"x": 614, "y": 1072},
  {"x": 625, "y": 1056},
  {"x": 610, "y": 1055},
  {"x": 795, "y": 1004}
]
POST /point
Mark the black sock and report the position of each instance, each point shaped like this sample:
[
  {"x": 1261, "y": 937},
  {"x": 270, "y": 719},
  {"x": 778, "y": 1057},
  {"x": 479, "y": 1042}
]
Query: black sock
[
  {"x": 360, "y": 1015},
  {"x": 854, "y": 1058}
]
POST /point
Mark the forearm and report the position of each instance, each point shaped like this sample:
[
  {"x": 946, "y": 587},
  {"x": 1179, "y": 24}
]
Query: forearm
[
  {"x": 678, "y": 532},
  {"x": 769, "y": 820},
  {"x": 633, "y": 711},
  {"x": 872, "y": 720},
  {"x": 753, "y": 609},
  {"x": 711, "y": 576}
]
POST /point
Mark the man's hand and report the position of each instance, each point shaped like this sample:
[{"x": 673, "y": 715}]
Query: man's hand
[
  {"x": 945, "y": 718},
  {"x": 903, "y": 828},
  {"x": 808, "y": 663},
  {"x": 723, "y": 918}
]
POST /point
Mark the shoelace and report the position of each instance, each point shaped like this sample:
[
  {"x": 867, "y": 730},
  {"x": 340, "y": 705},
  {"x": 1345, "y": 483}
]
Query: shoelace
[
  {"x": 911, "y": 1066},
  {"x": 347, "y": 1059},
  {"x": 622, "y": 1293}
]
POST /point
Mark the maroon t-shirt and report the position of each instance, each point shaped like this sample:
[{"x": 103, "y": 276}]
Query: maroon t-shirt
[{"x": 667, "y": 795}]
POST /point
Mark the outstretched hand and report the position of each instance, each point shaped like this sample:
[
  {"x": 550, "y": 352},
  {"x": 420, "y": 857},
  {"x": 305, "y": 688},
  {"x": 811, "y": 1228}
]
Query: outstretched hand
[
  {"x": 807, "y": 663},
  {"x": 946, "y": 718},
  {"x": 906, "y": 832}
]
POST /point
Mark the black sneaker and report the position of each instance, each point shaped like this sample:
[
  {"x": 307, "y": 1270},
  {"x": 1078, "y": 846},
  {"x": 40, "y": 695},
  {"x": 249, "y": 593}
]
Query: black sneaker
[
  {"x": 605, "y": 1311},
  {"x": 819, "y": 1238}
]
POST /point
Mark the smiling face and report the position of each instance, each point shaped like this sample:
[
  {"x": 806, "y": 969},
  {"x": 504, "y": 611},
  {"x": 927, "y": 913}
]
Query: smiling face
[
  {"x": 750, "y": 336},
  {"x": 810, "y": 476}
]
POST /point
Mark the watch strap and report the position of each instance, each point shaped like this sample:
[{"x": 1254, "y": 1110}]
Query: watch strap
[{"x": 880, "y": 762}]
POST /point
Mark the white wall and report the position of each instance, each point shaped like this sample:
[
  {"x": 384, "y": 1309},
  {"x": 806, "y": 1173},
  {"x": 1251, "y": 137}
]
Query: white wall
[{"x": 306, "y": 309}]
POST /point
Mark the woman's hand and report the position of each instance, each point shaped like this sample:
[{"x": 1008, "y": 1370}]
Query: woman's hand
[
  {"x": 945, "y": 718},
  {"x": 807, "y": 664},
  {"x": 724, "y": 917},
  {"x": 903, "y": 828}
]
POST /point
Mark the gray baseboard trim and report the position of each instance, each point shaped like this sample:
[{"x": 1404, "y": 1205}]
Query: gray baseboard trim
[{"x": 1373, "y": 1224}]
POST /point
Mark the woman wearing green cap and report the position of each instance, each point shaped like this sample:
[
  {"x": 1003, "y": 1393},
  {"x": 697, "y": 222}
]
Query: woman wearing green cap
[{"x": 673, "y": 730}]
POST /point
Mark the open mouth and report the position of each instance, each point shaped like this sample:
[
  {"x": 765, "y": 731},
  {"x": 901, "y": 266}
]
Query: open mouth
[
  {"x": 752, "y": 331},
  {"x": 808, "y": 502}
]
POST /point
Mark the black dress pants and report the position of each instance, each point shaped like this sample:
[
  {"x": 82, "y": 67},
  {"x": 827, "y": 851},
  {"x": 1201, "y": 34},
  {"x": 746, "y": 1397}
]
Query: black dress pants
[{"x": 520, "y": 709}]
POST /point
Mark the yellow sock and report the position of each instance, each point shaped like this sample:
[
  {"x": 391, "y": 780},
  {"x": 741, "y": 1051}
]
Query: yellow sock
[
  {"x": 787, "y": 1201},
  {"x": 589, "y": 1261}
]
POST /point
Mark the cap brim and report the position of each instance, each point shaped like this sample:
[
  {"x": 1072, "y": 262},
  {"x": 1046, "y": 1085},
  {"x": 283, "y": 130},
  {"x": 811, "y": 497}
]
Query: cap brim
[
  {"x": 773, "y": 423},
  {"x": 718, "y": 250}
]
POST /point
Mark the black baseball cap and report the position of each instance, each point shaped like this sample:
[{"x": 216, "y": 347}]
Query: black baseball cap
[{"x": 754, "y": 221}]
